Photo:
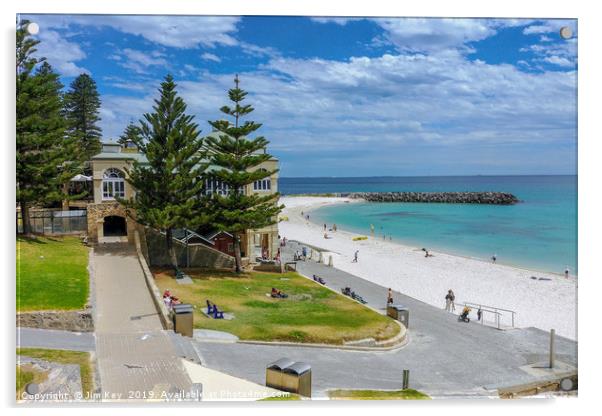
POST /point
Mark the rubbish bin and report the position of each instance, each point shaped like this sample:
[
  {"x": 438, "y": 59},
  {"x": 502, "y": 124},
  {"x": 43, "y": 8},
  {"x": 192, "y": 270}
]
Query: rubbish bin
[
  {"x": 400, "y": 313},
  {"x": 182, "y": 319},
  {"x": 286, "y": 375}
]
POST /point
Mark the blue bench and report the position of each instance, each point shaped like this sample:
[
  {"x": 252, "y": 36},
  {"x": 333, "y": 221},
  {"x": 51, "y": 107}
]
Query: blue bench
[{"x": 212, "y": 310}]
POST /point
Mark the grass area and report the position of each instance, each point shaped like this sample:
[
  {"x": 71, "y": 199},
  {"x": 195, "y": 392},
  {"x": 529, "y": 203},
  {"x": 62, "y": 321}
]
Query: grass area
[
  {"x": 408, "y": 394},
  {"x": 51, "y": 273},
  {"x": 27, "y": 374},
  {"x": 66, "y": 357},
  {"x": 311, "y": 313}
]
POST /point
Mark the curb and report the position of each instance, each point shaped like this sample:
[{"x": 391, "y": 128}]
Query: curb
[
  {"x": 403, "y": 342},
  {"x": 152, "y": 288}
]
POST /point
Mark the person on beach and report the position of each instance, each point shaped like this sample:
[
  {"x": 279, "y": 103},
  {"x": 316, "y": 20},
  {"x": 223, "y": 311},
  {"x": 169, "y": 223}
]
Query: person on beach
[
  {"x": 355, "y": 256},
  {"x": 493, "y": 258},
  {"x": 302, "y": 213},
  {"x": 334, "y": 228},
  {"x": 324, "y": 227},
  {"x": 566, "y": 272},
  {"x": 389, "y": 297},
  {"x": 452, "y": 299}
]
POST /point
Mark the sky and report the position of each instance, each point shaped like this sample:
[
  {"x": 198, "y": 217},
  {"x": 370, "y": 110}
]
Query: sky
[{"x": 345, "y": 96}]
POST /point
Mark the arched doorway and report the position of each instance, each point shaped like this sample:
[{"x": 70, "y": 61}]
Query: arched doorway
[{"x": 114, "y": 226}]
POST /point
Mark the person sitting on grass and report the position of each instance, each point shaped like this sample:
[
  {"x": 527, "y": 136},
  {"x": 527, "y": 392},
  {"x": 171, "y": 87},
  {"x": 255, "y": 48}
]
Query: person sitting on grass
[
  {"x": 169, "y": 299},
  {"x": 278, "y": 294}
]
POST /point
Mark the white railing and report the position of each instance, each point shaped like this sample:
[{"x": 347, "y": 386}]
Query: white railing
[{"x": 498, "y": 313}]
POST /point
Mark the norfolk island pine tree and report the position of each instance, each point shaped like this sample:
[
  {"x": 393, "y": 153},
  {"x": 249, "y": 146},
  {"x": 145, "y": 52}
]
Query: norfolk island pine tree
[
  {"x": 45, "y": 154},
  {"x": 169, "y": 186},
  {"x": 237, "y": 160},
  {"x": 82, "y": 104},
  {"x": 131, "y": 134}
]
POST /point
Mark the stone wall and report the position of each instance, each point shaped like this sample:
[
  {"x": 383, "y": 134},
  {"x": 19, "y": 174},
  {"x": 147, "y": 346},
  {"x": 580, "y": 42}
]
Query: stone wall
[
  {"x": 96, "y": 215},
  {"x": 200, "y": 255},
  {"x": 78, "y": 321},
  {"x": 493, "y": 198}
]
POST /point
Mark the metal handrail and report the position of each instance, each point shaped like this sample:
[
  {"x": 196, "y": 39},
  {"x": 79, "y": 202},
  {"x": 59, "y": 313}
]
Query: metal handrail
[{"x": 491, "y": 309}]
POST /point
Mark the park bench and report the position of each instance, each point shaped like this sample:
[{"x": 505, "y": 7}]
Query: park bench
[
  {"x": 319, "y": 280},
  {"x": 212, "y": 310},
  {"x": 348, "y": 292}
]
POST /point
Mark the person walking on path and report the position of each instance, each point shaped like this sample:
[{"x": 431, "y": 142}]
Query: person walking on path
[
  {"x": 389, "y": 297},
  {"x": 452, "y": 299},
  {"x": 355, "y": 256}
]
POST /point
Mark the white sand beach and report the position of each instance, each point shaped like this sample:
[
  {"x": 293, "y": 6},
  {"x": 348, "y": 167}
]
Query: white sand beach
[{"x": 543, "y": 304}]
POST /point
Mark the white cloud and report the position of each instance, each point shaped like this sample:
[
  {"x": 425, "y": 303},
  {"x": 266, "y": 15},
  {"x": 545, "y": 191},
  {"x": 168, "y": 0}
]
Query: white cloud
[
  {"x": 210, "y": 57},
  {"x": 60, "y": 53},
  {"x": 387, "y": 102},
  {"x": 557, "y": 60},
  {"x": 341, "y": 21},
  {"x": 173, "y": 31},
  {"x": 139, "y": 61},
  {"x": 550, "y": 26}
]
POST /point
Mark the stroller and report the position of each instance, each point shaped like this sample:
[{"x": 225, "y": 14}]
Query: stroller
[{"x": 464, "y": 315}]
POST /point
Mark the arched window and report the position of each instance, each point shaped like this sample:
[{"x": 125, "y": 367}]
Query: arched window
[
  {"x": 263, "y": 185},
  {"x": 113, "y": 184}
]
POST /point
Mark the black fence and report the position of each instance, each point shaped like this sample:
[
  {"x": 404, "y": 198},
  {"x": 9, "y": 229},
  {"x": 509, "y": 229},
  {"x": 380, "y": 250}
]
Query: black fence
[{"x": 55, "y": 222}]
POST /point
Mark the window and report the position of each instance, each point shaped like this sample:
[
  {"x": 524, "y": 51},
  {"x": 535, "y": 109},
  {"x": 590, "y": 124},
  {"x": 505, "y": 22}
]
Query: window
[
  {"x": 113, "y": 184},
  {"x": 263, "y": 185},
  {"x": 216, "y": 186}
]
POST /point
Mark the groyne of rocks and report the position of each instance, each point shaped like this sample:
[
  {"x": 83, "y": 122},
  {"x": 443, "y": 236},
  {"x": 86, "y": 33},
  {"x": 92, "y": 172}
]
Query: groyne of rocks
[{"x": 492, "y": 198}]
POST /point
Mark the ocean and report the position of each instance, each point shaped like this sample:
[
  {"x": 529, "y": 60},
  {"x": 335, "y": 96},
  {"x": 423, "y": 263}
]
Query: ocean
[{"x": 539, "y": 233}]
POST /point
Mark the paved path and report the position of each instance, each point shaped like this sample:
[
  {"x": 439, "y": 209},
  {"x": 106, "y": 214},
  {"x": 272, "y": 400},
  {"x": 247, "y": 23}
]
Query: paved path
[
  {"x": 53, "y": 339},
  {"x": 445, "y": 357},
  {"x": 135, "y": 356}
]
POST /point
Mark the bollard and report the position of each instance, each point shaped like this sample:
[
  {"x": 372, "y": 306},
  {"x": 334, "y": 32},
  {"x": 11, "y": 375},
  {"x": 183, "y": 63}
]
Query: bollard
[
  {"x": 330, "y": 261},
  {"x": 552, "y": 347},
  {"x": 320, "y": 260},
  {"x": 406, "y": 379}
]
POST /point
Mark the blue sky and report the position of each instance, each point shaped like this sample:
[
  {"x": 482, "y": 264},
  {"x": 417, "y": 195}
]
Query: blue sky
[{"x": 346, "y": 97}]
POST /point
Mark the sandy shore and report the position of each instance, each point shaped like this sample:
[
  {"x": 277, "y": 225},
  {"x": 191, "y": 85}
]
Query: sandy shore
[{"x": 545, "y": 304}]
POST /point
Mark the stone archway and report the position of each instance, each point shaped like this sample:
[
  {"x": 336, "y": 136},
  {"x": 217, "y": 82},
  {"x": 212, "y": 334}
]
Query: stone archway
[
  {"x": 111, "y": 217},
  {"x": 114, "y": 226}
]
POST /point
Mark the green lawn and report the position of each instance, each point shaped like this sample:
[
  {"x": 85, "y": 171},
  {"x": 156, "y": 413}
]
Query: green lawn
[
  {"x": 51, "y": 274},
  {"x": 310, "y": 314},
  {"x": 65, "y": 357},
  {"x": 407, "y": 394}
]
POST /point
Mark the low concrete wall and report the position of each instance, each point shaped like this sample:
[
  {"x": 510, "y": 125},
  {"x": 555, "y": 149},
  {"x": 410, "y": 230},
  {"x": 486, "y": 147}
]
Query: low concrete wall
[
  {"x": 77, "y": 321},
  {"x": 200, "y": 255},
  {"x": 155, "y": 293}
]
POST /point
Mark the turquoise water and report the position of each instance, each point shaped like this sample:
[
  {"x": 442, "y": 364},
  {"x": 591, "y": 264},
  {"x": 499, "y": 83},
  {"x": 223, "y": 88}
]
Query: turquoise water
[{"x": 538, "y": 233}]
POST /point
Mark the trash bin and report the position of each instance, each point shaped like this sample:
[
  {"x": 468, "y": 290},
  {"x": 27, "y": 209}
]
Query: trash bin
[
  {"x": 286, "y": 375},
  {"x": 400, "y": 313},
  {"x": 182, "y": 319}
]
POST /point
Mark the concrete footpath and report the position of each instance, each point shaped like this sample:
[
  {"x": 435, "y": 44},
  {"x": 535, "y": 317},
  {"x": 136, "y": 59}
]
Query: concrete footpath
[
  {"x": 136, "y": 358},
  {"x": 53, "y": 339},
  {"x": 445, "y": 357}
]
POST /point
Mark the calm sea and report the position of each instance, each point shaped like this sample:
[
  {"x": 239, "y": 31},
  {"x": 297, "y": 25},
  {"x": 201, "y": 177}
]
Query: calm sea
[{"x": 538, "y": 233}]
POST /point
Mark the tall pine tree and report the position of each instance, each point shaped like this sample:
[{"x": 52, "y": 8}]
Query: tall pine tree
[
  {"x": 45, "y": 155},
  {"x": 238, "y": 158},
  {"x": 168, "y": 187},
  {"x": 82, "y": 103},
  {"x": 131, "y": 134}
]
